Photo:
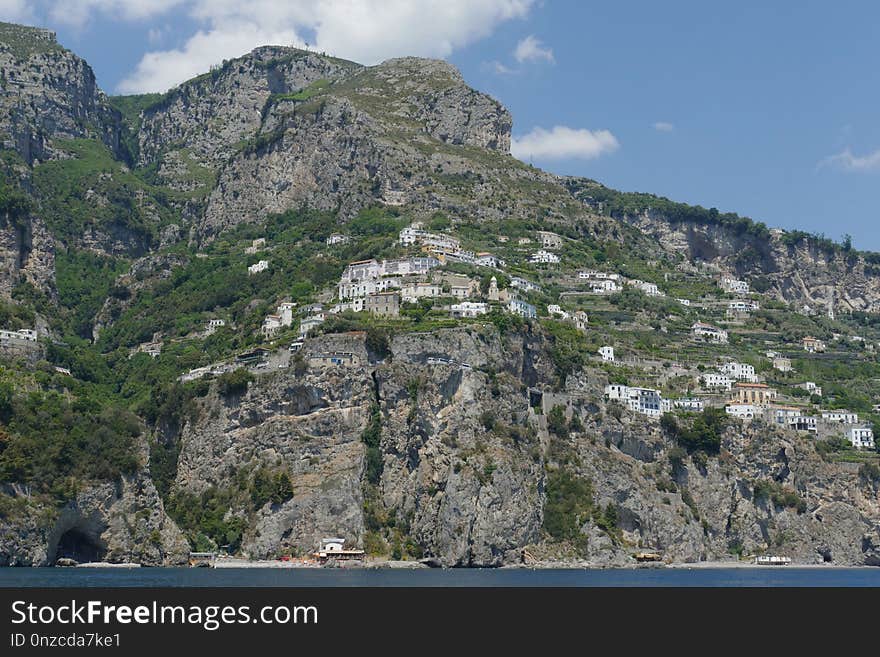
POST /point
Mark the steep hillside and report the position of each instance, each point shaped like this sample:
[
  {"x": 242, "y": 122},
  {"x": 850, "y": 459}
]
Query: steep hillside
[{"x": 297, "y": 297}]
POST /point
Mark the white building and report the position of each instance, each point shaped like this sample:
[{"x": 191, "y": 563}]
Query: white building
[
  {"x": 361, "y": 289},
  {"x": 684, "y": 302},
  {"x": 707, "y": 331},
  {"x": 716, "y": 380},
  {"x": 486, "y": 259},
  {"x": 256, "y": 245},
  {"x": 262, "y": 265},
  {"x": 813, "y": 345},
  {"x": 337, "y": 238},
  {"x": 581, "y": 321},
  {"x": 466, "y": 309},
  {"x": 554, "y": 310},
  {"x": 607, "y": 353},
  {"x": 543, "y": 257},
  {"x": 782, "y": 364},
  {"x": 740, "y": 371},
  {"x": 792, "y": 417},
  {"x": 521, "y": 308},
  {"x": 689, "y": 404},
  {"x": 588, "y": 275},
  {"x": 861, "y": 437},
  {"x": 549, "y": 240},
  {"x": 650, "y": 289},
  {"x": 841, "y": 417},
  {"x": 28, "y": 335},
  {"x": 641, "y": 400},
  {"x": 811, "y": 387},
  {"x": 523, "y": 284},
  {"x": 309, "y": 323},
  {"x": 604, "y": 286},
  {"x": 414, "y": 291},
  {"x": 734, "y": 286},
  {"x": 741, "y": 309},
  {"x": 413, "y": 234},
  {"x": 742, "y": 411},
  {"x": 271, "y": 326}
]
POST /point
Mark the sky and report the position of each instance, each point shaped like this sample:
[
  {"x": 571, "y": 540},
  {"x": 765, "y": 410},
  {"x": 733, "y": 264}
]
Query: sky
[{"x": 767, "y": 111}]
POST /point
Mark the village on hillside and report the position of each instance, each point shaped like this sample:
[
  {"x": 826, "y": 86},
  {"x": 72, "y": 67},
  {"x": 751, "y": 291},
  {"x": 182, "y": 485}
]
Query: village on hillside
[{"x": 721, "y": 360}]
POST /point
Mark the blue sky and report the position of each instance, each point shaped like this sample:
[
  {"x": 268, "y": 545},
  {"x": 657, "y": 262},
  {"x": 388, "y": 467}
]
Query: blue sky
[{"x": 766, "y": 111}]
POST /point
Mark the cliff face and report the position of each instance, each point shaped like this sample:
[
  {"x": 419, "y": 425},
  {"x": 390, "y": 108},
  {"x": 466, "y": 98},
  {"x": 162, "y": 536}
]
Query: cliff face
[
  {"x": 48, "y": 93},
  {"x": 800, "y": 272},
  {"x": 465, "y": 462}
]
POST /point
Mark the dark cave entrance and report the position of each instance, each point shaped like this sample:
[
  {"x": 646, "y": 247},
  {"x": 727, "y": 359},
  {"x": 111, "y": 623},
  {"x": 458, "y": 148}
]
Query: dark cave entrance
[{"x": 79, "y": 547}]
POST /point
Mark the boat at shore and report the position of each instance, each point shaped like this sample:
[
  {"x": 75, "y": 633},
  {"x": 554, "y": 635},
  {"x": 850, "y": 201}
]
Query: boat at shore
[{"x": 769, "y": 560}]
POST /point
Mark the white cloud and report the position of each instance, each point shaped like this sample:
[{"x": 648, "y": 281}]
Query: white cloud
[
  {"x": 367, "y": 31},
  {"x": 531, "y": 49},
  {"x": 159, "y": 71},
  {"x": 498, "y": 68},
  {"x": 562, "y": 142},
  {"x": 15, "y": 11},
  {"x": 663, "y": 126},
  {"x": 847, "y": 161}
]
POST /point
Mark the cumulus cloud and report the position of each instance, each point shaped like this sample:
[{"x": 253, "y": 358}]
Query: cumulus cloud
[
  {"x": 15, "y": 10},
  {"x": 663, "y": 126},
  {"x": 497, "y": 67},
  {"x": 848, "y": 161},
  {"x": 531, "y": 49},
  {"x": 367, "y": 31},
  {"x": 562, "y": 142}
]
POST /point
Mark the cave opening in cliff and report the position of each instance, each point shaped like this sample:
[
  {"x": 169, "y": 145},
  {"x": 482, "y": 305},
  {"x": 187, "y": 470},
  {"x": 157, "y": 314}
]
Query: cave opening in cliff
[{"x": 79, "y": 547}]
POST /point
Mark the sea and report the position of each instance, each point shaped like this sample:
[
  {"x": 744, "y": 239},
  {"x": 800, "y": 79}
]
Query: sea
[{"x": 769, "y": 576}]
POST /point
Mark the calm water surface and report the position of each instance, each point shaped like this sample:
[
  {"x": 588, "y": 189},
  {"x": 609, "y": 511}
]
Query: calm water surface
[{"x": 174, "y": 577}]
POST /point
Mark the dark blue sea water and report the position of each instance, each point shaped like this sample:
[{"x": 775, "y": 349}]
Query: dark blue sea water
[{"x": 200, "y": 577}]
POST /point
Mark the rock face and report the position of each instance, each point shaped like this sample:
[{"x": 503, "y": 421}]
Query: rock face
[
  {"x": 464, "y": 462},
  {"x": 117, "y": 522},
  {"x": 802, "y": 271},
  {"x": 48, "y": 93}
]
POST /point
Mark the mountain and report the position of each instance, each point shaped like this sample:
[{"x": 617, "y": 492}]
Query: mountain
[{"x": 142, "y": 419}]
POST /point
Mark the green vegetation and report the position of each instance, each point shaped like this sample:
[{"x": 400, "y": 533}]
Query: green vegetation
[
  {"x": 704, "y": 433},
  {"x": 569, "y": 504},
  {"x": 24, "y": 42},
  {"x": 779, "y": 495}
]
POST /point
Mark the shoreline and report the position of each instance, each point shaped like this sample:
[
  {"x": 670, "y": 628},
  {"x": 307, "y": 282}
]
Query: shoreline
[{"x": 243, "y": 564}]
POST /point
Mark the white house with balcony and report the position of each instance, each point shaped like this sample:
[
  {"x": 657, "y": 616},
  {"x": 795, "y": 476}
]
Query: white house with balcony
[
  {"x": 554, "y": 310},
  {"x": 543, "y": 257},
  {"x": 466, "y": 309},
  {"x": 521, "y": 308},
  {"x": 607, "y": 353},
  {"x": 740, "y": 371},
  {"x": 716, "y": 380},
  {"x": 840, "y": 417},
  {"x": 523, "y": 284},
  {"x": 257, "y": 267},
  {"x": 640, "y": 400},
  {"x": 708, "y": 332},
  {"x": 734, "y": 285},
  {"x": 689, "y": 404},
  {"x": 742, "y": 411},
  {"x": 861, "y": 437},
  {"x": 650, "y": 289}
]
